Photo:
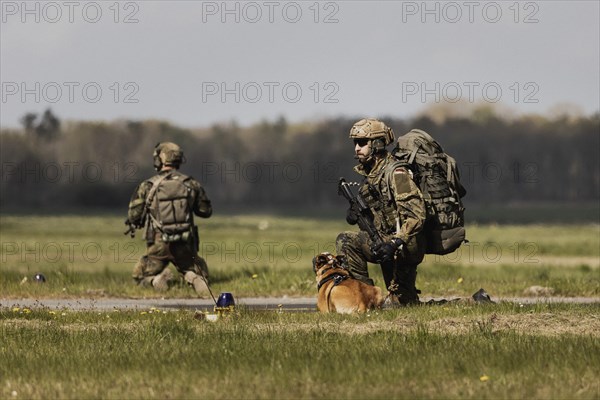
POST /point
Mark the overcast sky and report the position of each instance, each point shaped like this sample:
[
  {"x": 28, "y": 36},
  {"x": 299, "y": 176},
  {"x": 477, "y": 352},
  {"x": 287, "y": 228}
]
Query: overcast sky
[{"x": 196, "y": 63}]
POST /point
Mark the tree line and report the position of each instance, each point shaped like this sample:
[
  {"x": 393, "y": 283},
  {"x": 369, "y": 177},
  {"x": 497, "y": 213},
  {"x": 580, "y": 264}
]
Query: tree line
[{"x": 51, "y": 165}]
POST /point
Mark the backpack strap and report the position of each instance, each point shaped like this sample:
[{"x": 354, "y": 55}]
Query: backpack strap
[
  {"x": 450, "y": 165},
  {"x": 156, "y": 181},
  {"x": 411, "y": 159},
  {"x": 415, "y": 147}
]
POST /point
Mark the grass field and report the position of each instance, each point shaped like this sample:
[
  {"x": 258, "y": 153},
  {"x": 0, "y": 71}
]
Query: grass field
[
  {"x": 271, "y": 256},
  {"x": 456, "y": 350},
  {"x": 450, "y": 351}
]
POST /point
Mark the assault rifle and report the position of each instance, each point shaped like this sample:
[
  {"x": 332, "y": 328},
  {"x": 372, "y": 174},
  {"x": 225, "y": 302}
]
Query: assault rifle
[
  {"x": 364, "y": 215},
  {"x": 133, "y": 226}
]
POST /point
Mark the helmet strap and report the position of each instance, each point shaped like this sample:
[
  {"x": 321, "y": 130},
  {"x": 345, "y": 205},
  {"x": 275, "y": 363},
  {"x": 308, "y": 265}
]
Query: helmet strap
[{"x": 371, "y": 156}]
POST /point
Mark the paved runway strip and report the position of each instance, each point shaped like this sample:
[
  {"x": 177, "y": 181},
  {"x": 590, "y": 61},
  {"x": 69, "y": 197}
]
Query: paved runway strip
[{"x": 253, "y": 303}]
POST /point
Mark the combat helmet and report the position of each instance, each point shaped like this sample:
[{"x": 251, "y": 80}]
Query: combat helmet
[
  {"x": 167, "y": 153},
  {"x": 374, "y": 130}
]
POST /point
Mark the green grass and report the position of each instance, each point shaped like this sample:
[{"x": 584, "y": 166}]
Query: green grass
[
  {"x": 456, "y": 350},
  {"x": 271, "y": 256},
  {"x": 420, "y": 352}
]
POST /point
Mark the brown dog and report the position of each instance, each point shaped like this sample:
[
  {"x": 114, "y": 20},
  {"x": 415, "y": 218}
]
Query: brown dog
[{"x": 339, "y": 291}]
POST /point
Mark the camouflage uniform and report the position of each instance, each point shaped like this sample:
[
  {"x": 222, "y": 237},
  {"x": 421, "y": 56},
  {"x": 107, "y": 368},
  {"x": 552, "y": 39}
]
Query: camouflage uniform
[
  {"x": 395, "y": 200},
  {"x": 183, "y": 254}
]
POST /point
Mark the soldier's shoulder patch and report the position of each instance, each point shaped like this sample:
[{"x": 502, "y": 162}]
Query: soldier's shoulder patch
[{"x": 402, "y": 180}]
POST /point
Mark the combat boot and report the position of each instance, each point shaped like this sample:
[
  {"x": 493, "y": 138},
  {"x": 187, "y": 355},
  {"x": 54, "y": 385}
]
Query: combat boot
[
  {"x": 404, "y": 285},
  {"x": 145, "y": 281},
  {"x": 400, "y": 296},
  {"x": 397, "y": 300},
  {"x": 199, "y": 284},
  {"x": 162, "y": 280},
  {"x": 409, "y": 299}
]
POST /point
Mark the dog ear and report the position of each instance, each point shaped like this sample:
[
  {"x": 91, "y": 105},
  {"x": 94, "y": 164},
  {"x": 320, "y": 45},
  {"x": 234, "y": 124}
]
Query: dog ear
[
  {"x": 319, "y": 260},
  {"x": 342, "y": 260}
]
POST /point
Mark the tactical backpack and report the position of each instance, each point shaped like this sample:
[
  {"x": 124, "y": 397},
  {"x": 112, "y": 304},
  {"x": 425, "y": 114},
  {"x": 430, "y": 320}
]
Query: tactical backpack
[
  {"x": 436, "y": 174},
  {"x": 169, "y": 205}
]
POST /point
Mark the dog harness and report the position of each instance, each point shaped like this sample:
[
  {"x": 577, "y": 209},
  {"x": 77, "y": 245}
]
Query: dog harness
[{"x": 336, "y": 277}]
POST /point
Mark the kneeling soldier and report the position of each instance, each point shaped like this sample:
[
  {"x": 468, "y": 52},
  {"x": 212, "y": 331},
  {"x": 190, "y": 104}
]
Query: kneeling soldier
[
  {"x": 398, "y": 212},
  {"x": 166, "y": 204}
]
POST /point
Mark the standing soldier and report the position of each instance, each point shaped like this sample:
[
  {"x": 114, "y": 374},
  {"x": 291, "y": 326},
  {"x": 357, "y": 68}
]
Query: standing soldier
[
  {"x": 398, "y": 212},
  {"x": 165, "y": 204}
]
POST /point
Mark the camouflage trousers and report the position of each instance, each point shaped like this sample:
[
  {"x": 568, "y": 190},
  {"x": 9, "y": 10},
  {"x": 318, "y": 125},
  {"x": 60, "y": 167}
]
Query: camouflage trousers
[
  {"x": 158, "y": 256},
  {"x": 399, "y": 275}
]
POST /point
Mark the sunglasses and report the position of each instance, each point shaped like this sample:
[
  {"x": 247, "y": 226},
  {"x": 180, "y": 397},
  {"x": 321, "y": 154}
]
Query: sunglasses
[{"x": 361, "y": 142}]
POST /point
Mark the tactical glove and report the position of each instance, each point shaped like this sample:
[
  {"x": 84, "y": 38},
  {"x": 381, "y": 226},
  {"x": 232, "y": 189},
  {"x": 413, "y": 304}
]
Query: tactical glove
[
  {"x": 130, "y": 223},
  {"x": 131, "y": 230},
  {"x": 352, "y": 216},
  {"x": 387, "y": 251}
]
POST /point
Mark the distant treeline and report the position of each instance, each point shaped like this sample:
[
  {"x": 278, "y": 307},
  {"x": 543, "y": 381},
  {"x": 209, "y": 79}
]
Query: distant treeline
[{"x": 53, "y": 166}]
